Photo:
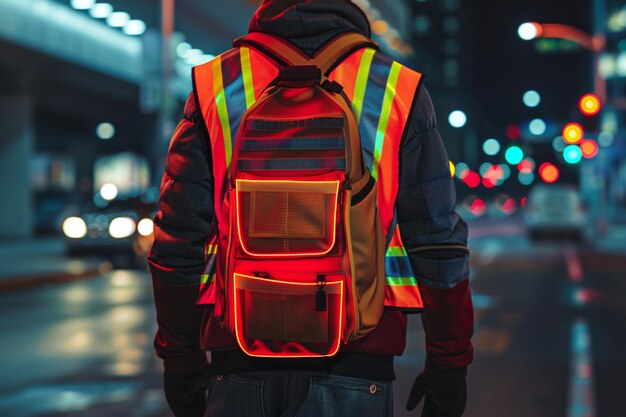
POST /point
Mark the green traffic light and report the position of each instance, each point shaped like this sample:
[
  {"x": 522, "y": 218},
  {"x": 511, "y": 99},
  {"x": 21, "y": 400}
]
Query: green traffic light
[
  {"x": 514, "y": 155},
  {"x": 572, "y": 154}
]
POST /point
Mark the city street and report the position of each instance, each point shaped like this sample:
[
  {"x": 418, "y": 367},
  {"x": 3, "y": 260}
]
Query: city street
[
  {"x": 114, "y": 113},
  {"x": 548, "y": 338}
]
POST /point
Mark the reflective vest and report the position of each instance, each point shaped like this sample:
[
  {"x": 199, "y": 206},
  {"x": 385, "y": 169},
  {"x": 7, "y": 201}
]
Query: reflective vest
[{"x": 381, "y": 95}]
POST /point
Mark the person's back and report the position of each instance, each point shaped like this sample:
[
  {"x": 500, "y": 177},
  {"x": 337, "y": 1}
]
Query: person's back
[{"x": 426, "y": 239}]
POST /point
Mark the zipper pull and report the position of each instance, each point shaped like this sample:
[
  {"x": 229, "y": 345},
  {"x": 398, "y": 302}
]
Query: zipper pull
[
  {"x": 320, "y": 295},
  {"x": 347, "y": 184}
]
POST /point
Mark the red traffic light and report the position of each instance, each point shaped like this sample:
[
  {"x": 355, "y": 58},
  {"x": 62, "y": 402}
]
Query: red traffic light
[
  {"x": 589, "y": 104},
  {"x": 589, "y": 148},
  {"x": 549, "y": 172},
  {"x": 573, "y": 133}
]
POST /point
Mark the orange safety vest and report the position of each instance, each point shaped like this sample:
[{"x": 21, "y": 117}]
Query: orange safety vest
[{"x": 381, "y": 95}]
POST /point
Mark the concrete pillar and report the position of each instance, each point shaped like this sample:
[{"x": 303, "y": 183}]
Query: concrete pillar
[{"x": 16, "y": 143}]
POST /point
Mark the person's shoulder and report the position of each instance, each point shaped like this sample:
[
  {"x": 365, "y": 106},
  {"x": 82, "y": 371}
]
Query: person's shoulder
[{"x": 382, "y": 57}]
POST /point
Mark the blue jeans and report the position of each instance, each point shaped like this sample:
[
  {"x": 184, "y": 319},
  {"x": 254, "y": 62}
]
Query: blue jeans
[{"x": 297, "y": 394}]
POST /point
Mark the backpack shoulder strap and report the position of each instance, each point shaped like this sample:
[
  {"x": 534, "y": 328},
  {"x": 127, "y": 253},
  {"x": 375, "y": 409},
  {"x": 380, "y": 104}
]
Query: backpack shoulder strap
[
  {"x": 287, "y": 54},
  {"x": 339, "y": 48},
  {"x": 277, "y": 48}
]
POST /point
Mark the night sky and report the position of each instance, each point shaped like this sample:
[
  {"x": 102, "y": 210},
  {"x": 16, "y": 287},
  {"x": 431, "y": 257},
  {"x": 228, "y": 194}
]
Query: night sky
[{"x": 505, "y": 66}]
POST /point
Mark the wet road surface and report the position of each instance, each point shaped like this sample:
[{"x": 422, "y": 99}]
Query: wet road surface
[{"x": 549, "y": 339}]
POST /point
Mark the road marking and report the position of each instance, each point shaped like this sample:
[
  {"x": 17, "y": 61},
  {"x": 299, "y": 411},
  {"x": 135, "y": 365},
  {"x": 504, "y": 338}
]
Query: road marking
[
  {"x": 581, "y": 398},
  {"x": 574, "y": 266}
]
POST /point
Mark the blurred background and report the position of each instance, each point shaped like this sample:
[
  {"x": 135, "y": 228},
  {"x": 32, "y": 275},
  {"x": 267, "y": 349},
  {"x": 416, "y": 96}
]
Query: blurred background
[{"x": 530, "y": 98}]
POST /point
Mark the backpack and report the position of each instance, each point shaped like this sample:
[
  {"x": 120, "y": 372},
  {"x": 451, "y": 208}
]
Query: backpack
[{"x": 300, "y": 248}]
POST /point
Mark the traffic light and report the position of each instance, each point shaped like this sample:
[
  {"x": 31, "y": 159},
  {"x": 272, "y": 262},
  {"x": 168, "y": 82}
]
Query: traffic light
[
  {"x": 572, "y": 154},
  {"x": 590, "y": 106},
  {"x": 589, "y": 148},
  {"x": 573, "y": 133},
  {"x": 549, "y": 172}
]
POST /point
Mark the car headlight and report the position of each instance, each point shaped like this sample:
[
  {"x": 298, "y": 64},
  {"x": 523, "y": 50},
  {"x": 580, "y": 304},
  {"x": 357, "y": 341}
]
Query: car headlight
[
  {"x": 74, "y": 227},
  {"x": 121, "y": 227},
  {"x": 145, "y": 227}
]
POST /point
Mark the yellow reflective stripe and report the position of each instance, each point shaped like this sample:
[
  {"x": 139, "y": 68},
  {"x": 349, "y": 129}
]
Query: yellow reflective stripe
[
  {"x": 398, "y": 281},
  {"x": 211, "y": 249},
  {"x": 395, "y": 251},
  {"x": 246, "y": 70},
  {"x": 390, "y": 93},
  {"x": 222, "y": 111},
  {"x": 361, "y": 82},
  {"x": 206, "y": 278}
]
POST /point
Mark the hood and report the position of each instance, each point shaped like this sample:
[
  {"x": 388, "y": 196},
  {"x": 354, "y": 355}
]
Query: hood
[{"x": 309, "y": 23}]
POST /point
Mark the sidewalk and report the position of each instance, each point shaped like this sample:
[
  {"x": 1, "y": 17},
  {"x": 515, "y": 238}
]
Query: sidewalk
[{"x": 28, "y": 263}]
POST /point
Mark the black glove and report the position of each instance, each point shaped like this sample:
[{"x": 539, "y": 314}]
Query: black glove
[
  {"x": 444, "y": 389},
  {"x": 186, "y": 394}
]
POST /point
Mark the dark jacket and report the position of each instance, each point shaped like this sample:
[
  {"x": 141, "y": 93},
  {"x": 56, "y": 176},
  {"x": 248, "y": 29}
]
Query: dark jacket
[{"x": 434, "y": 235}]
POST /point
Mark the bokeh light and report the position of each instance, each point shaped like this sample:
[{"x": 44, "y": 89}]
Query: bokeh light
[
  {"x": 589, "y": 148},
  {"x": 82, "y": 4},
  {"x": 74, "y": 227},
  {"x": 505, "y": 204},
  {"x": 491, "y": 146},
  {"x": 506, "y": 171},
  {"x": 108, "y": 191},
  {"x": 135, "y": 27},
  {"x": 572, "y": 154},
  {"x": 537, "y": 127},
  {"x": 514, "y": 155},
  {"x": 548, "y": 172},
  {"x": 513, "y": 132},
  {"x": 105, "y": 131},
  {"x": 526, "y": 178},
  {"x": 573, "y": 133},
  {"x": 461, "y": 170},
  {"x": 605, "y": 139},
  {"x": 529, "y": 30},
  {"x": 472, "y": 179},
  {"x": 558, "y": 144},
  {"x": 589, "y": 104},
  {"x": 527, "y": 165},
  {"x": 531, "y": 98},
  {"x": 101, "y": 10},
  {"x": 457, "y": 119}
]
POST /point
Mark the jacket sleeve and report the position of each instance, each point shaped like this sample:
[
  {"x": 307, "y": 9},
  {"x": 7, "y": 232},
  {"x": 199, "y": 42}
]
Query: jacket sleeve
[
  {"x": 177, "y": 255},
  {"x": 435, "y": 238}
]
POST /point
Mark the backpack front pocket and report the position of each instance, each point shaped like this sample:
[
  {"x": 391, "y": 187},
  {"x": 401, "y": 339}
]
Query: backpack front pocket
[
  {"x": 287, "y": 218},
  {"x": 296, "y": 316}
]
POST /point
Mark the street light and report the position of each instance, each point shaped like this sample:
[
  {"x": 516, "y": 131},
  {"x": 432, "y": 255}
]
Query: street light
[
  {"x": 532, "y": 30},
  {"x": 593, "y": 43}
]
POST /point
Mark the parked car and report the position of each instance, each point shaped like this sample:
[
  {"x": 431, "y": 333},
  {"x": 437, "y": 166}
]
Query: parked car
[
  {"x": 555, "y": 211},
  {"x": 121, "y": 230}
]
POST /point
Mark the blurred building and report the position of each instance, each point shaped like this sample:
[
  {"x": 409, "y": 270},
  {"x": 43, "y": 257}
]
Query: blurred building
[{"x": 605, "y": 176}]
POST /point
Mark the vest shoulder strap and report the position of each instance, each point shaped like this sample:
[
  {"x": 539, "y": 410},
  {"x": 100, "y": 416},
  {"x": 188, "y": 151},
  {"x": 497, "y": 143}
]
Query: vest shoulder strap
[{"x": 287, "y": 54}]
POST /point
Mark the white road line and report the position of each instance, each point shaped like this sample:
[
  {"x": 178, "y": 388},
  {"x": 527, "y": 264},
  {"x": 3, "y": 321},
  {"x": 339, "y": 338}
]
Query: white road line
[{"x": 581, "y": 398}]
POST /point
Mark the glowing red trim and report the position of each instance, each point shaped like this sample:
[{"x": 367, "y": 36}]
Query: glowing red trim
[
  {"x": 334, "y": 349},
  {"x": 330, "y": 247}
]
